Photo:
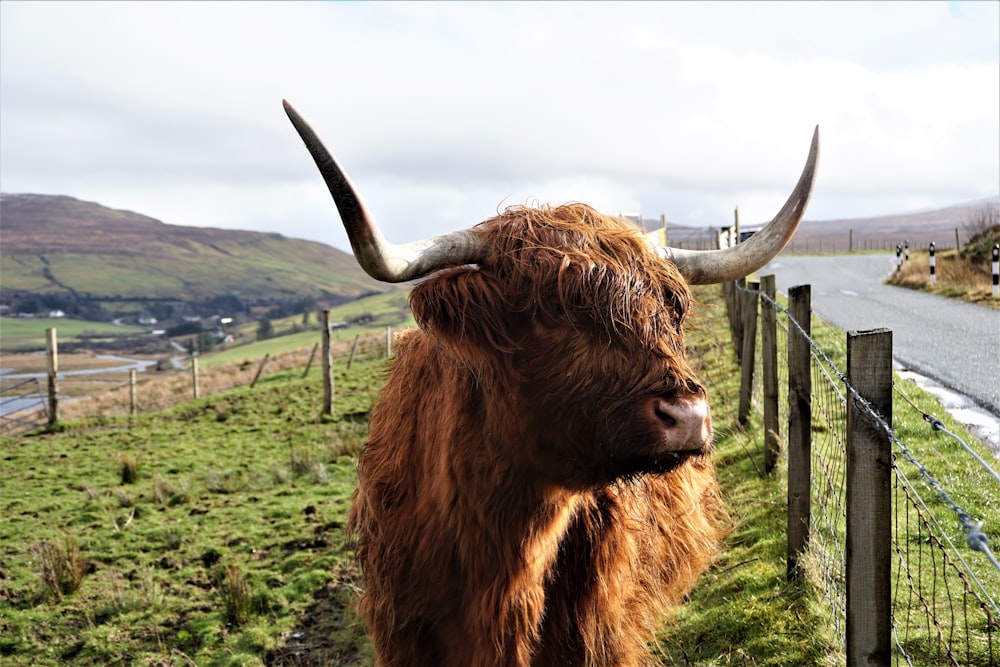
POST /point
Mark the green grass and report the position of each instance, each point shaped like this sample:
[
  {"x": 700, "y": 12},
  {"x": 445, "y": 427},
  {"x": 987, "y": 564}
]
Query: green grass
[
  {"x": 226, "y": 545},
  {"x": 29, "y": 334},
  {"x": 743, "y": 610},
  {"x": 230, "y": 531},
  {"x": 388, "y": 309}
]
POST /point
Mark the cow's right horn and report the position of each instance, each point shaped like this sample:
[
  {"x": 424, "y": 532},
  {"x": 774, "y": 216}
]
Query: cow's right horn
[
  {"x": 706, "y": 267},
  {"x": 389, "y": 262}
]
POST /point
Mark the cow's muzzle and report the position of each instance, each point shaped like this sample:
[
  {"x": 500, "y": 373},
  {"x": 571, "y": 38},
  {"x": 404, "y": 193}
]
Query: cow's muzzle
[{"x": 682, "y": 423}]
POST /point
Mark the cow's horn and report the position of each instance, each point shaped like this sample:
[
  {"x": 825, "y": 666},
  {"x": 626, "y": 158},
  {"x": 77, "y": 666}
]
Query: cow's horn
[
  {"x": 389, "y": 262},
  {"x": 706, "y": 267}
]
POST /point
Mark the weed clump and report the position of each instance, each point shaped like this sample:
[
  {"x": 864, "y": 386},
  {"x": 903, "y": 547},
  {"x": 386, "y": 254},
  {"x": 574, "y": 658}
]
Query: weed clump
[
  {"x": 128, "y": 468},
  {"x": 167, "y": 495},
  {"x": 60, "y": 567},
  {"x": 235, "y": 593},
  {"x": 124, "y": 597}
]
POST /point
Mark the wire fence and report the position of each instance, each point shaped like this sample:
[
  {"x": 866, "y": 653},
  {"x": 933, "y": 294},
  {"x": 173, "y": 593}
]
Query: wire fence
[
  {"x": 25, "y": 404},
  {"x": 945, "y": 580}
]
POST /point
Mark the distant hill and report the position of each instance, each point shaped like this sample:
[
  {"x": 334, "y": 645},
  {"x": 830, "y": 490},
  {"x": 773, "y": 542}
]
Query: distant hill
[
  {"x": 85, "y": 253},
  {"x": 59, "y": 245},
  {"x": 919, "y": 228}
]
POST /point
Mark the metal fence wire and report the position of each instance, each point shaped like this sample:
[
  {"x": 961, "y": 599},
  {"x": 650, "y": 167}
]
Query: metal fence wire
[
  {"x": 945, "y": 581},
  {"x": 23, "y": 406}
]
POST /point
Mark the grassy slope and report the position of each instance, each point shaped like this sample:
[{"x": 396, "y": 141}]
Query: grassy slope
[
  {"x": 389, "y": 309},
  {"x": 964, "y": 275},
  {"x": 255, "y": 481},
  {"x": 52, "y": 244}
]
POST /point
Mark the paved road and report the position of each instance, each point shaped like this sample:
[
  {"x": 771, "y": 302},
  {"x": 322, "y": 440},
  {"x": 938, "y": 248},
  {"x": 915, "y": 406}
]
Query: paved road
[{"x": 953, "y": 342}]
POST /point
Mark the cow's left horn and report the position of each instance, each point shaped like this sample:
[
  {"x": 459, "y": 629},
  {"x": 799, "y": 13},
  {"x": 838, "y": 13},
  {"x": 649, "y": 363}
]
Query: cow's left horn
[
  {"x": 706, "y": 267},
  {"x": 389, "y": 262}
]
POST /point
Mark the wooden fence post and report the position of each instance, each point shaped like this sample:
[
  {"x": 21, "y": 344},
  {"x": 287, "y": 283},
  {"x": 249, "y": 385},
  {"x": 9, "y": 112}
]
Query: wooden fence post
[
  {"x": 799, "y": 426},
  {"x": 736, "y": 317},
  {"x": 133, "y": 403},
  {"x": 260, "y": 369},
  {"x": 769, "y": 368},
  {"x": 327, "y": 365},
  {"x": 52, "y": 349},
  {"x": 312, "y": 356},
  {"x": 388, "y": 342},
  {"x": 354, "y": 349},
  {"x": 727, "y": 295},
  {"x": 194, "y": 374},
  {"x": 869, "y": 509},
  {"x": 749, "y": 313}
]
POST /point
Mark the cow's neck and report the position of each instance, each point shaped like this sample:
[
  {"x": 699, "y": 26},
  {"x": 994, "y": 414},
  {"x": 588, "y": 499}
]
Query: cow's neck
[
  {"x": 507, "y": 522},
  {"x": 510, "y": 535}
]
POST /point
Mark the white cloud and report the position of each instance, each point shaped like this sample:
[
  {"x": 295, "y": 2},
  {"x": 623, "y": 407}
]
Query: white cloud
[{"x": 442, "y": 112}]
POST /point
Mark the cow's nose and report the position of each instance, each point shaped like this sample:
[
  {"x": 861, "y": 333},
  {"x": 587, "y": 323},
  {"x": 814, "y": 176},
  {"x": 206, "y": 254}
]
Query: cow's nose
[{"x": 684, "y": 422}]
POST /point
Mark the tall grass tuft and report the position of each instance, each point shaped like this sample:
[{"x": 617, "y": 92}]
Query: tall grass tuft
[
  {"x": 123, "y": 597},
  {"x": 166, "y": 494},
  {"x": 235, "y": 593},
  {"x": 128, "y": 468},
  {"x": 60, "y": 567}
]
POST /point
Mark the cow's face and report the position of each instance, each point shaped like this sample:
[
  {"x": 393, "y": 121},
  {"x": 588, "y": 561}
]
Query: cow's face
[{"x": 574, "y": 323}]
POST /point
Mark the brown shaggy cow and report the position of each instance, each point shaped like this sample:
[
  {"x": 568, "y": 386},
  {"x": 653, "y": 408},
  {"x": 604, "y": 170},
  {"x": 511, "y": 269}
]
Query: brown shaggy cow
[{"x": 537, "y": 487}]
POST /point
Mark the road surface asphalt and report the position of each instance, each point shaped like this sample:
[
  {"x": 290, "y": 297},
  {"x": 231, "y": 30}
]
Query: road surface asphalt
[{"x": 954, "y": 342}]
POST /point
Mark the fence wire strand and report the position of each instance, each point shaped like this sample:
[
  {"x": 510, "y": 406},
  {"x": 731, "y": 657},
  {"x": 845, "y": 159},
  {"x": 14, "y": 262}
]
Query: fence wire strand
[
  {"x": 942, "y": 611},
  {"x": 22, "y": 407}
]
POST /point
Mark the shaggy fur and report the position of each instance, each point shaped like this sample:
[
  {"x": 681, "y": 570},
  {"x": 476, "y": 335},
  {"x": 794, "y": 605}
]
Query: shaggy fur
[{"x": 508, "y": 510}]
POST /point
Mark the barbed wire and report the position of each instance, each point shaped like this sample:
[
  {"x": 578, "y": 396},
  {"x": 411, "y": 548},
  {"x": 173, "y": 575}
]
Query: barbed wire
[
  {"x": 975, "y": 538},
  {"x": 938, "y": 425}
]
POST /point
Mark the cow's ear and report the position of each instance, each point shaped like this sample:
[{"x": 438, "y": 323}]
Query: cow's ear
[{"x": 464, "y": 308}]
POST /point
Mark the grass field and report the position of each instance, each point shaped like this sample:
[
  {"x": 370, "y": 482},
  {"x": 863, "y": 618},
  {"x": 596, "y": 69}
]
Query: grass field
[
  {"x": 210, "y": 552},
  {"x": 19, "y": 334},
  {"x": 211, "y": 533},
  {"x": 389, "y": 309}
]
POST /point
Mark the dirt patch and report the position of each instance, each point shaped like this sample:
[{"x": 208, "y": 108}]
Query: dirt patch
[{"x": 329, "y": 632}]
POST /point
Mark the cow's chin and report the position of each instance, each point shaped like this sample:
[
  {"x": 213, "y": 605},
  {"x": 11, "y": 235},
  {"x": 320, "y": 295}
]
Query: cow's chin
[
  {"x": 654, "y": 464},
  {"x": 655, "y": 459}
]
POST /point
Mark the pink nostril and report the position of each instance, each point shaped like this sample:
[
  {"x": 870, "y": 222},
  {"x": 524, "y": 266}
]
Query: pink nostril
[
  {"x": 661, "y": 408},
  {"x": 684, "y": 422}
]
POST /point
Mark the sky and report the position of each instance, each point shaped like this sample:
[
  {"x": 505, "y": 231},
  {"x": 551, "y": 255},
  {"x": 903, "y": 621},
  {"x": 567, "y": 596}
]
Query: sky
[{"x": 445, "y": 113}]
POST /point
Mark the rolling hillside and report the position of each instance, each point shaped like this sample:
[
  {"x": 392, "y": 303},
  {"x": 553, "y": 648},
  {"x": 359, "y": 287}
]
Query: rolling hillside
[
  {"x": 85, "y": 251},
  {"x": 875, "y": 232}
]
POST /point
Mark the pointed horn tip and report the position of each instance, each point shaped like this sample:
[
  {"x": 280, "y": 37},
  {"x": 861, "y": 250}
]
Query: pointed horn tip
[{"x": 289, "y": 109}]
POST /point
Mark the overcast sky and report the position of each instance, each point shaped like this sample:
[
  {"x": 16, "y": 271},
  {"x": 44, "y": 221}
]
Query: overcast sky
[{"x": 444, "y": 113}]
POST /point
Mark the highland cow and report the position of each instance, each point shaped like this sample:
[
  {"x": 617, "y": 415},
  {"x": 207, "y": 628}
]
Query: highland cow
[{"x": 537, "y": 486}]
